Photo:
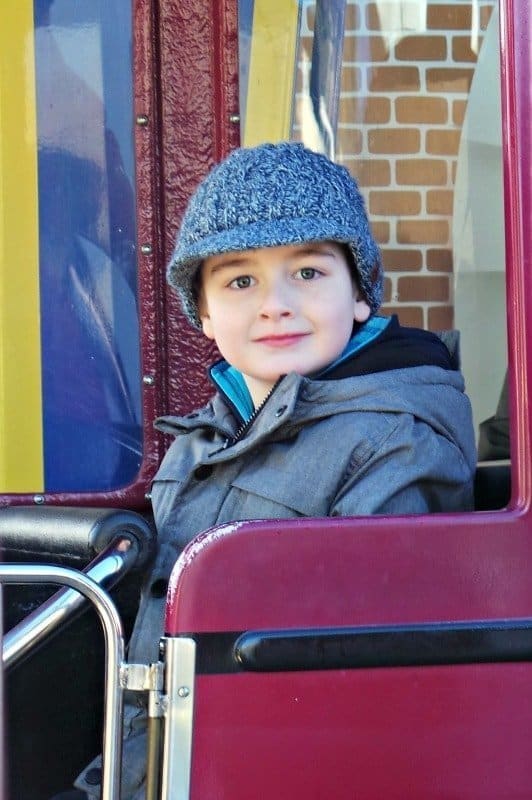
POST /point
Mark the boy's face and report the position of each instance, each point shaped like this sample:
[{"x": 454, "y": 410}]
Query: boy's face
[{"x": 276, "y": 310}]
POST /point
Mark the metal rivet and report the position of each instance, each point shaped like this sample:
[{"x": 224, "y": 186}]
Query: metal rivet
[
  {"x": 235, "y": 118},
  {"x": 38, "y": 499},
  {"x": 142, "y": 119},
  {"x": 146, "y": 249},
  {"x": 183, "y": 691},
  {"x": 148, "y": 380}
]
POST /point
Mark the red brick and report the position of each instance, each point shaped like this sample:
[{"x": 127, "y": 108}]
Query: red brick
[
  {"x": 352, "y": 18},
  {"x": 350, "y": 139},
  {"x": 381, "y": 231},
  {"x": 421, "y": 48},
  {"x": 350, "y": 79},
  {"x": 394, "y": 203},
  {"x": 306, "y": 44},
  {"x": 421, "y": 109},
  {"x": 394, "y": 140},
  {"x": 393, "y": 79},
  {"x": 449, "y": 17},
  {"x": 440, "y": 201},
  {"x": 449, "y": 79},
  {"x": 411, "y": 316},
  {"x": 442, "y": 142},
  {"x": 365, "y": 48},
  {"x": 418, "y": 288},
  {"x": 462, "y": 49},
  {"x": 421, "y": 172},
  {"x": 368, "y": 110},
  {"x": 440, "y": 318},
  {"x": 373, "y": 19},
  {"x": 439, "y": 260},
  {"x": 423, "y": 231},
  {"x": 485, "y": 15},
  {"x": 372, "y": 172},
  {"x": 402, "y": 260},
  {"x": 459, "y": 109}
]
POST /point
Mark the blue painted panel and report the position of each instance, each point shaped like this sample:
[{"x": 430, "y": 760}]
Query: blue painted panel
[{"x": 89, "y": 310}]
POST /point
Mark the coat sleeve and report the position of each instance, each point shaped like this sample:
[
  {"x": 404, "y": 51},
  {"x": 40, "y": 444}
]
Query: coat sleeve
[{"x": 413, "y": 470}]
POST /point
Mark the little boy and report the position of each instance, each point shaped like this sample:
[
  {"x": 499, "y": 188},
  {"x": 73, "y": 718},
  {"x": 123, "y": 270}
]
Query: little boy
[{"x": 321, "y": 407}]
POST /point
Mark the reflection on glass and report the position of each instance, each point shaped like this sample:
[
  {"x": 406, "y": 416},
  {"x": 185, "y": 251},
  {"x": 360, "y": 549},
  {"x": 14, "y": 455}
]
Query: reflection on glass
[
  {"x": 406, "y": 95},
  {"x": 89, "y": 317}
]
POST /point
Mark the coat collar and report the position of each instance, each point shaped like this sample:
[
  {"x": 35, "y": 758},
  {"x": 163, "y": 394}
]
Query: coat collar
[{"x": 231, "y": 384}]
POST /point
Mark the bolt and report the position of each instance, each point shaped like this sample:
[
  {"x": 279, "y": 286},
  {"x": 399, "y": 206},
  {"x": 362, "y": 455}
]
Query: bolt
[
  {"x": 148, "y": 380},
  {"x": 142, "y": 120},
  {"x": 146, "y": 249},
  {"x": 234, "y": 118}
]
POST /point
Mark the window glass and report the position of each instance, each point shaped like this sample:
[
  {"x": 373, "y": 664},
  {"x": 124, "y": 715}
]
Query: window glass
[
  {"x": 406, "y": 95},
  {"x": 75, "y": 112}
]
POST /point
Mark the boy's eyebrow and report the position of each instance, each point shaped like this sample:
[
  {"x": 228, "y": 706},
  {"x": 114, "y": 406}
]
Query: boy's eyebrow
[
  {"x": 317, "y": 249},
  {"x": 241, "y": 259},
  {"x": 230, "y": 261}
]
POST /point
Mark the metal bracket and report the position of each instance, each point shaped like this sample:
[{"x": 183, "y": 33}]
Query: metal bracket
[{"x": 146, "y": 678}]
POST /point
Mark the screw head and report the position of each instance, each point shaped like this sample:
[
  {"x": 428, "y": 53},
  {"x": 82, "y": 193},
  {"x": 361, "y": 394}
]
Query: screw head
[
  {"x": 142, "y": 120},
  {"x": 38, "y": 499},
  {"x": 183, "y": 691},
  {"x": 148, "y": 380}
]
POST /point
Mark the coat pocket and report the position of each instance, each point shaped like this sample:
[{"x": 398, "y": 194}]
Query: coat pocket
[{"x": 272, "y": 492}]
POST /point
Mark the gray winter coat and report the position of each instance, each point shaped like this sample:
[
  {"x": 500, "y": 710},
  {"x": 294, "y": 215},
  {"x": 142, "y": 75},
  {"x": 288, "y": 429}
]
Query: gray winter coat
[{"x": 395, "y": 442}]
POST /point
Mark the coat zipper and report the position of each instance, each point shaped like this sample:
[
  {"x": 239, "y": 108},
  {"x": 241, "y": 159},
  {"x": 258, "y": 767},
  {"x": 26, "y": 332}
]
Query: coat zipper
[{"x": 244, "y": 428}]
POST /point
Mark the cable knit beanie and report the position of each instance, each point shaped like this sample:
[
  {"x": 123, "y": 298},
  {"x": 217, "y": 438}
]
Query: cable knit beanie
[{"x": 269, "y": 196}]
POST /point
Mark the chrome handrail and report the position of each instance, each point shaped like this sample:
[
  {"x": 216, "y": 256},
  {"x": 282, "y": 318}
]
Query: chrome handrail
[
  {"x": 114, "y": 648},
  {"x": 112, "y": 563}
]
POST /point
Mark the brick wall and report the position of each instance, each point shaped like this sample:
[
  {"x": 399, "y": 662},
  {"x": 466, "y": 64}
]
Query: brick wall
[{"x": 407, "y": 71}]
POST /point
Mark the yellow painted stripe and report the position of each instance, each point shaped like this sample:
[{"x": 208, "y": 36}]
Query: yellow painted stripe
[
  {"x": 21, "y": 456},
  {"x": 271, "y": 71}
]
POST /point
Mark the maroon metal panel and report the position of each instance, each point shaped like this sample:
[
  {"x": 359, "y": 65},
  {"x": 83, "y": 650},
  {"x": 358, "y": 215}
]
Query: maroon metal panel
[
  {"x": 516, "y": 73},
  {"x": 199, "y": 95},
  {"x": 462, "y": 733},
  {"x": 452, "y": 731},
  {"x": 358, "y": 571}
]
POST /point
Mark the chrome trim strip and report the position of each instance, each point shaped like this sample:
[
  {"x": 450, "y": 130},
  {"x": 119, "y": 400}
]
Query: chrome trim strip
[
  {"x": 180, "y": 659},
  {"x": 114, "y": 646},
  {"x": 117, "y": 558}
]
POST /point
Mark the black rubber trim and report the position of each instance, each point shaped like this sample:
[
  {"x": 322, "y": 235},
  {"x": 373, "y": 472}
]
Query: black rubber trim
[{"x": 494, "y": 641}]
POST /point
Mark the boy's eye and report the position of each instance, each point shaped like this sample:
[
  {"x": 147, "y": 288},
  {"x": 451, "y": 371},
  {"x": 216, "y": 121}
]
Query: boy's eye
[
  {"x": 242, "y": 282},
  {"x": 308, "y": 273}
]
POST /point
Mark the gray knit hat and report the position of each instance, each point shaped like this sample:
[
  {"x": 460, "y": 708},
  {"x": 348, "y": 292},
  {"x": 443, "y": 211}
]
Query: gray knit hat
[{"x": 269, "y": 196}]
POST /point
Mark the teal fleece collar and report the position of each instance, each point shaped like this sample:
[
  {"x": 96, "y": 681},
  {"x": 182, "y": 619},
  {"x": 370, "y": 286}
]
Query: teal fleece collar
[{"x": 230, "y": 381}]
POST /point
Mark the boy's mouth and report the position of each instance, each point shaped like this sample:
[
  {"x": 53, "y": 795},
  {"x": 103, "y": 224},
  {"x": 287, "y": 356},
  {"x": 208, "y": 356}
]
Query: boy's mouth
[{"x": 282, "y": 339}]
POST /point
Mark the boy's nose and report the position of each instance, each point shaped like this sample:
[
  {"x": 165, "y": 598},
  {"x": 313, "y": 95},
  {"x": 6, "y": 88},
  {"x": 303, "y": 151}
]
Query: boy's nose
[{"x": 276, "y": 302}]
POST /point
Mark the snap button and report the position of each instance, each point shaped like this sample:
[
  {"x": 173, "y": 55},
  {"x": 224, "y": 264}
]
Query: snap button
[
  {"x": 159, "y": 587},
  {"x": 203, "y": 471},
  {"x": 280, "y": 411},
  {"x": 93, "y": 776}
]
